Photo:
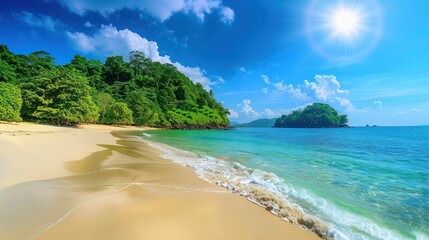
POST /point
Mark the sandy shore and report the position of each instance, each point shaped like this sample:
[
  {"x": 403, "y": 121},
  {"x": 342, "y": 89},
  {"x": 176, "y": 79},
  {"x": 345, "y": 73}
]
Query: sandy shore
[{"x": 86, "y": 183}]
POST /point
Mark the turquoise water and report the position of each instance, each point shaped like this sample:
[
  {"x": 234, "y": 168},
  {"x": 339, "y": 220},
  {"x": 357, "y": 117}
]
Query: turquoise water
[{"x": 366, "y": 183}]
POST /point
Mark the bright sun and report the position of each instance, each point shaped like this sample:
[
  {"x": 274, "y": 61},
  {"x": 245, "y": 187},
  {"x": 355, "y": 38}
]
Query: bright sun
[
  {"x": 343, "y": 30},
  {"x": 345, "y": 22}
]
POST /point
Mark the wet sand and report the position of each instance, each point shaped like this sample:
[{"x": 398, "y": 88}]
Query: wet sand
[{"x": 86, "y": 183}]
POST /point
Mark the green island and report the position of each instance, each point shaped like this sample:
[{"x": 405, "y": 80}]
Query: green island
[
  {"x": 317, "y": 115},
  {"x": 135, "y": 92}
]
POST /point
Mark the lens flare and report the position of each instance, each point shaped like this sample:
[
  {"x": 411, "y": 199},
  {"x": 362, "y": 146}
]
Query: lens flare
[{"x": 343, "y": 31}]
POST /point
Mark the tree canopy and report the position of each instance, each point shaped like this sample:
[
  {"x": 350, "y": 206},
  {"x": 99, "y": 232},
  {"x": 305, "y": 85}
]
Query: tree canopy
[
  {"x": 119, "y": 91},
  {"x": 317, "y": 115},
  {"x": 59, "y": 96},
  {"x": 10, "y": 102}
]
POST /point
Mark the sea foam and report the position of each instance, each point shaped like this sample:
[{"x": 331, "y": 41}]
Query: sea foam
[{"x": 271, "y": 192}]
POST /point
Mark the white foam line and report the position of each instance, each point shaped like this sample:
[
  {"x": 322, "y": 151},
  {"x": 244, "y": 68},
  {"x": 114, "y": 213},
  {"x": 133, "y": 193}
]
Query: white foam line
[
  {"x": 53, "y": 223},
  {"x": 348, "y": 220}
]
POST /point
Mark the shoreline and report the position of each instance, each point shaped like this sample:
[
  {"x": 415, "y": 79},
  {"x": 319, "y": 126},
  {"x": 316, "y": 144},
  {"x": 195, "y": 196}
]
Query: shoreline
[
  {"x": 116, "y": 188},
  {"x": 247, "y": 183}
]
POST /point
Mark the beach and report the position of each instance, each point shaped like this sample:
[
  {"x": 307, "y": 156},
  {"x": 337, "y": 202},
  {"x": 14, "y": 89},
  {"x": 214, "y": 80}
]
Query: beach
[{"x": 96, "y": 182}]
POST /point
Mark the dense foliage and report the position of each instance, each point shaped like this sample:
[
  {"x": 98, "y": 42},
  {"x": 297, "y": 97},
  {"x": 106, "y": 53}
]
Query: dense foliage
[
  {"x": 317, "y": 115},
  {"x": 10, "y": 102},
  {"x": 137, "y": 91},
  {"x": 60, "y": 96}
]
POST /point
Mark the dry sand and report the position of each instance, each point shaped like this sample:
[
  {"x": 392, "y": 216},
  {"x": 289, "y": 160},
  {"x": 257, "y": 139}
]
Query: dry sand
[{"x": 85, "y": 183}]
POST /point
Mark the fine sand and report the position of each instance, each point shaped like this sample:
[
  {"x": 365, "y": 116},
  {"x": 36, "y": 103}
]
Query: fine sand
[{"x": 90, "y": 183}]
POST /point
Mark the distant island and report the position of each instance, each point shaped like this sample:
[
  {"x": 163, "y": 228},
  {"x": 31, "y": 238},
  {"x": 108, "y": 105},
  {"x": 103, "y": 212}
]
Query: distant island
[
  {"x": 264, "y": 122},
  {"x": 317, "y": 115},
  {"x": 134, "y": 92}
]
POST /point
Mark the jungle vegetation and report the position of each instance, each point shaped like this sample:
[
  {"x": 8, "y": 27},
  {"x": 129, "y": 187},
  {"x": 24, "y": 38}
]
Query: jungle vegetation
[
  {"x": 317, "y": 115},
  {"x": 135, "y": 90}
]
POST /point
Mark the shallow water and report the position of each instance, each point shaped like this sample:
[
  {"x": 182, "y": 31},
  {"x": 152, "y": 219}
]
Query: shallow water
[{"x": 365, "y": 183}]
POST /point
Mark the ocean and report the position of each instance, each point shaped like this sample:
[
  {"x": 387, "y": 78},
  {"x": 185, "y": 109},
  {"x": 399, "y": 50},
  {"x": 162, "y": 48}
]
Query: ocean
[{"x": 362, "y": 183}]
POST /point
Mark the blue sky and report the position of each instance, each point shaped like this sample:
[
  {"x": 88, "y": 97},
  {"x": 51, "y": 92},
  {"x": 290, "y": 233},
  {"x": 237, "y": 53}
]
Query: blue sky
[{"x": 262, "y": 58}]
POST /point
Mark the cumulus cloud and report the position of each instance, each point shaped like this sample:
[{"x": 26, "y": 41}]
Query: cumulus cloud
[
  {"x": 41, "y": 21},
  {"x": 265, "y": 90},
  {"x": 161, "y": 9},
  {"x": 296, "y": 92},
  {"x": 269, "y": 113},
  {"x": 272, "y": 113},
  {"x": 266, "y": 79},
  {"x": 280, "y": 86},
  {"x": 232, "y": 114},
  {"x": 247, "y": 109},
  {"x": 378, "y": 103},
  {"x": 347, "y": 104},
  {"x": 111, "y": 41},
  {"x": 326, "y": 87},
  {"x": 227, "y": 15}
]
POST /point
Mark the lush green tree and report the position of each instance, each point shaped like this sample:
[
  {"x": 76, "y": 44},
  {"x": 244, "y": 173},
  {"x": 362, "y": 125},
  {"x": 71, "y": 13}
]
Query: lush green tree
[
  {"x": 317, "y": 115},
  {"x": 7, "y": 72},
  {"x": 92, "y": 69},
  {"x": 10, "y": 102},
  {"x": 59, "y": 96},
  {"x": 157, "y": 94},
  {"x": 119, "y": 113},
  {"x": 116, "y": 70},
  {"x": 138, "y": 62},
  {"x": 40, "y": 60},
  {"x": 145, "y": 111},
  {"x": 103, "y": 101},
  {"x": 344, "y": 119}
]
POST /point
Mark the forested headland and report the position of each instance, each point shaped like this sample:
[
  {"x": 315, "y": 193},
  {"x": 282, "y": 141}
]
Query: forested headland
[
  {"x": 135, "y": 91},
  {"x": 317, "y": 115}
]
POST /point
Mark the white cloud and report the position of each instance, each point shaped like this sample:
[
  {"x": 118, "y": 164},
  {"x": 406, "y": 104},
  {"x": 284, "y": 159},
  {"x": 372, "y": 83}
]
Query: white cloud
[
  {"x": 242, "y": 69},
  {"x": 266, "y": 79},
  {"x": 88, "y": 24},
  {"x": 227, "y": 15},
  {"x": 296, "y": 92},
  {"x": 265, "y": 90},
  {"x": 220, "y": 80},
  {"x": 280, "y": 86},
  {"x": 272, "y": 113},
  {"x": 42, "y": 21},
  {"x": 326, "y": 87},
  {"x": 161, "y": 9},
  {"x": 82, "y": 42},
  {"x": 416, "y": 110},
  {"x": 269, "y": 113},
  {"x": 347, "y": 104},
  {"x": 111, "y": 41},
  {"x": 379, "y": 104},
  {"x": 248, "y": 110},
  {"x": 233, "y": 114}
]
